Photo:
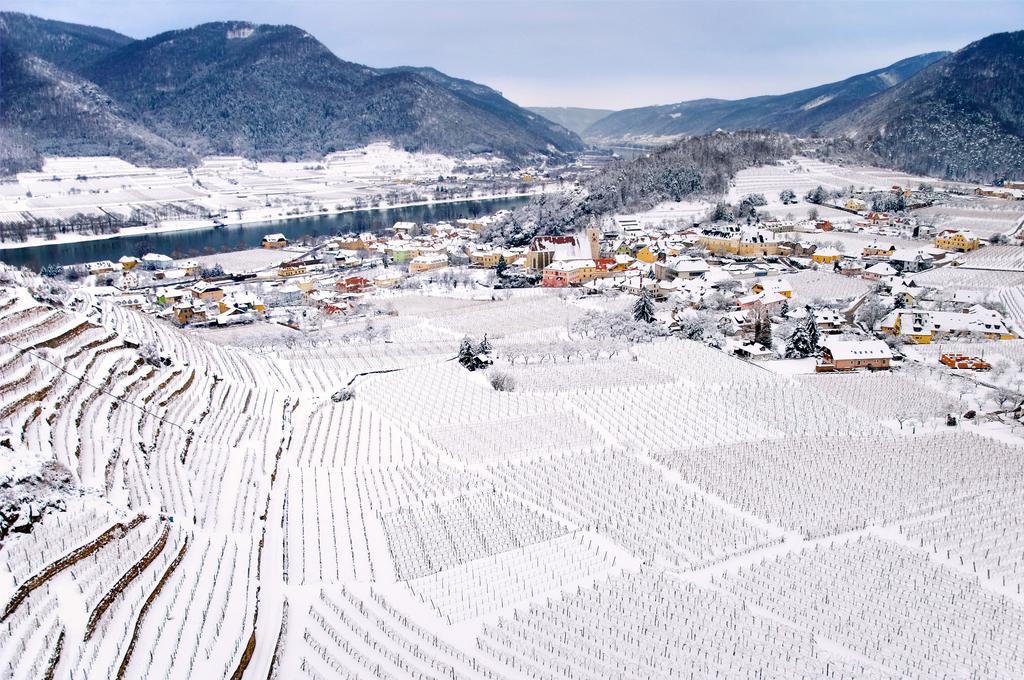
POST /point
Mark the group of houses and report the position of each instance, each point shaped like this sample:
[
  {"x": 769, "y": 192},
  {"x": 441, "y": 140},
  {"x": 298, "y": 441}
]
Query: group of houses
[{"x": 747, "y": 266}]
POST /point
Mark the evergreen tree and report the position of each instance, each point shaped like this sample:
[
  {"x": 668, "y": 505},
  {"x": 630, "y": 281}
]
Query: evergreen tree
[
  {"x": 484, "y": 347},
  {"x": 817, "y": 195},
  {"x": 466, "y": 352},
  {"x": 798, "y": 344},
  {"x": 721, "y": 213},
  {"x": 501, "y": 267},
  {"x": 643, "y": 308},
  {"x": 804, "y": 340},
  {"x": 763, "y": 330},
  {"x": 813, "y": 336}
]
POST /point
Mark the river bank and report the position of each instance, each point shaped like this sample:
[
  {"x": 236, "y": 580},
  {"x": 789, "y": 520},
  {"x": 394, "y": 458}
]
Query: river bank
[
  {"x": 205, "y": 239},
  {"x": 248, "y": 217}
]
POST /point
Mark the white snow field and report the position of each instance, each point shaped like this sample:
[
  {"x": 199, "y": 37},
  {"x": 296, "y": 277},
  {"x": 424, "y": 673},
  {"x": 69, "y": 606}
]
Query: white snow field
[
  {"x": 237, "y": 189},
  {"x": 656, "y": 510}
]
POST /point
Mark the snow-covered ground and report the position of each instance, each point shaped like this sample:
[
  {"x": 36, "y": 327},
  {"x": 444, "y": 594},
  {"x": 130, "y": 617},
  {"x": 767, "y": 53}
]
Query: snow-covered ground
[
  {"x": 801, "y": 174},
  {"x": 237, "y": 190},
  {"x": 637, "y": 510}
]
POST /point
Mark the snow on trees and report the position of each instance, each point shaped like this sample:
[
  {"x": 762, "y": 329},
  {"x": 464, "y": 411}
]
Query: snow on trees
[
  {"x": 763, "y": 329},
  {"x": 474, "y": 356},
  {"x": 818, "y": 195},
  {"x": 804, "y": 340},
  {"x": 643, "y": 308},
  {"x": 871, "y": 311}
]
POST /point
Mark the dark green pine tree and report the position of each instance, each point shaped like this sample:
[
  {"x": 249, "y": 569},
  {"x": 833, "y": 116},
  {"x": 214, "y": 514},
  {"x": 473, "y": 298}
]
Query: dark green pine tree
[
  {"x": 811, "y": 330},
  {"x": 466, "y": 352},
  {"x": 763, "y": 330},
  {"x": 643, "y": 308}
]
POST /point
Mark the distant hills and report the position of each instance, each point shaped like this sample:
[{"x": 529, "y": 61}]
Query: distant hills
[
  {"x": 275, "y": 92},
  {"x": 800, "y": 112},
  {"x": 266, "y": 92},
  {"x": 571, "y": 117},
  {"x": 958, "y": 115},
  {"x": 961, "y": 117}
]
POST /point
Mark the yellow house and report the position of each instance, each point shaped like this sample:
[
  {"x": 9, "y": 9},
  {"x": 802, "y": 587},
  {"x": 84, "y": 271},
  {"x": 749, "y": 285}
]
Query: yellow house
[
  {"x": 426, "y": 263},
  {"x": 274, "y": 241},
  {"x": 780, "y": 286},
  {"x": 957, "y": 241},
  {"x": 206, "y": 291},
  {"x": 647, "y": 255},
  {"x": 241, "y": 301},
  {"x": 742, "y": 247},
  {"x": 485, "y": 258},
  {"x": 923, "y": 327},
  {"x": 387, "y": 280},
  {"x": 855, "y": 204},
  {"x": 191, "y": 268},
  {"x": 915, "y": 333},
  {"x": 878, "y": 250},
  {"x": 291, "y": 269},
  {"x": 826, "y": 256}
]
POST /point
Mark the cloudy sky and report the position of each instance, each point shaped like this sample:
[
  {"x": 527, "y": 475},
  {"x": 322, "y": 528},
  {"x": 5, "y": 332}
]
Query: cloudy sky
[{"x": 595, "y": 53}]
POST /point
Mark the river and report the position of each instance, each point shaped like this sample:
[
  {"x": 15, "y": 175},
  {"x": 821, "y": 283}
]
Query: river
[{"x": 209, "y": 240}]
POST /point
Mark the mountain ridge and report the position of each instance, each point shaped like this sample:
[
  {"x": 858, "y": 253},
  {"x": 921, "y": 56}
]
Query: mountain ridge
[
  {"x": 960, "y": 118},
  {"x": 234, "y": 87},
  {"x": 798, "y": 112}
]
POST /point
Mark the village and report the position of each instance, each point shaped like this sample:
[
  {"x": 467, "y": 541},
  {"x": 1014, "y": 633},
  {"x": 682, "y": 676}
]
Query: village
[{"x": 856, "y": 290}]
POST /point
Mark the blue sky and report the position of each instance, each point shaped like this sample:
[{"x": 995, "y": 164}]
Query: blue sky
[{"x": 596, "y": 53}]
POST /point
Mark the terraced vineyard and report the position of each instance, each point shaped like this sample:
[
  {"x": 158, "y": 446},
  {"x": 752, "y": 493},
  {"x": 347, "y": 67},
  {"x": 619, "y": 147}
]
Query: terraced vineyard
[{"x": 662, "y": 510}]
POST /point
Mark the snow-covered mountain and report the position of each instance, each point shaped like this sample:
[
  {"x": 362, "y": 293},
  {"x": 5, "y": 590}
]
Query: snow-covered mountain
[
  {"x": 238, "y": 88},
  {"x": 798, "y": 112},
  {"x": 962, "y": 117}
]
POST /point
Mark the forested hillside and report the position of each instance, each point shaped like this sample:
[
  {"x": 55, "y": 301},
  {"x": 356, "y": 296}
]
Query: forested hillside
[
  {"x": 963, "y": 117},
  {"x": 693, "y": 167},
  {"x": 801, "y": 112},
  {"x": 266, "y": 92}
]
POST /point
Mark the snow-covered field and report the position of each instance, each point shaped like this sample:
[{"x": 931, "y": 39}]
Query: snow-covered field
[
  {"x": 801, "y": 174},
  {"x": 996, "y": 258},
  {"x": 246, "y": 260},
  {"x": 238, "y": 190},
  {"x": 629, "y": 510},
  {"x": 823, "y": 285},
  {"x": 984, "y": 216}
]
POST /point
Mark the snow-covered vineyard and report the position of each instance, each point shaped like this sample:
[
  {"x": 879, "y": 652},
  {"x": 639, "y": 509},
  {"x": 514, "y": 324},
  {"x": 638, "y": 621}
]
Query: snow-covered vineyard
[{"x": 654, "y": 510}]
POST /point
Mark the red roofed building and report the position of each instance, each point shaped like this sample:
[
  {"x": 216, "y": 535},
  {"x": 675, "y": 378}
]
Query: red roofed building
[{"x": 353, "y": 284}]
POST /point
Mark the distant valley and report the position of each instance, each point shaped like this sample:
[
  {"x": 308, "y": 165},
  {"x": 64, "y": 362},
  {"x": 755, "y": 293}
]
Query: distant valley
[
  {"x": 957, "y": 115},
  {"x": 572, "y": 117}
]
